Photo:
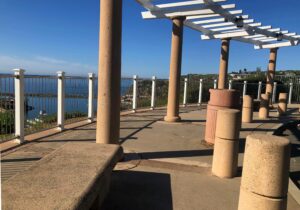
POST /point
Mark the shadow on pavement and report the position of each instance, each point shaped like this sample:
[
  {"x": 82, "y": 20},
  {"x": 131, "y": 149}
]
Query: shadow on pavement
[
  {"x": 137, "y": 190},
  {"x": 174, "y": 154}
]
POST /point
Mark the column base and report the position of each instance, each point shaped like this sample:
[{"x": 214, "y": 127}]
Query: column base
[{"x": 172, "y": 118}]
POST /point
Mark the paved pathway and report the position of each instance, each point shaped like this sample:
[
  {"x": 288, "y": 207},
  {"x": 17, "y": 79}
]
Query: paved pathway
[{"x": 166, "y": 165}]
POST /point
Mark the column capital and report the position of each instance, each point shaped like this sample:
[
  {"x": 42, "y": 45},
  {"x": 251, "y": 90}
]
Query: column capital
[
  {"x": 182, "y": 18},
  {"x": 275, "y": 49},
  {"x": 91, "y": 75},
  {"x": 226, "y": 39}
]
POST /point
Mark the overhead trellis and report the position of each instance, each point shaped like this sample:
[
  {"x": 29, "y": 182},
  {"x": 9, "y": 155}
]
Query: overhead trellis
[{"x": 221, "y": 21}]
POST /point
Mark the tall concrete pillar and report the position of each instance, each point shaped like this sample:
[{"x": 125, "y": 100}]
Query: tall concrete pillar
[
  {"x": 223, "y": 69},
  {"x": 175, "y": 70},
  {"x": 265, "y": 175},
  {"x": 109, "y": 72},
  {"x": 271, "y": 70}
]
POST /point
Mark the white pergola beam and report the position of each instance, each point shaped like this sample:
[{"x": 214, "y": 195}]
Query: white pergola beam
[
  {"x": 216, "y": 20},
  {"x": 184, "y": 3},
  {"x": 275, "y": 39},
  {"x": 233, "y": 12},
  {"x": 197, "y": 10},
  {"x": 225, "y": 24},
  {"x": 232, "y": 27},
  {"x": 275, "y": 45},
  {"x": 224, "y": 35}
]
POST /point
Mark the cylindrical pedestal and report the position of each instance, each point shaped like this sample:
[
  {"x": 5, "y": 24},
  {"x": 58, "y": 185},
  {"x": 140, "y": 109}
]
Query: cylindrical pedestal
[
  {"x": 225, "y": 158},
  {"x": 264, "y": 106},
  {"x": 282, "y": 104},
  {"x": 247, "y": 113},
  {"x": 265, "y": 176},
  {"x": 219, "y": 99}
]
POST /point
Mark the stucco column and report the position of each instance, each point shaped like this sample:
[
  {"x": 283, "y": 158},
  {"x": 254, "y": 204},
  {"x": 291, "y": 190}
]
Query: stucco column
[
  {"x": 223, "y": 69},
  {"x": 175, "y": 70},
  {"x": 271, "y": 70},
  {"x": 109, "y": 72}
]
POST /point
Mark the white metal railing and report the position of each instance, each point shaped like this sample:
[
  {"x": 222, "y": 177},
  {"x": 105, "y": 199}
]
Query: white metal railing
[{"x": 31, "y": 103}]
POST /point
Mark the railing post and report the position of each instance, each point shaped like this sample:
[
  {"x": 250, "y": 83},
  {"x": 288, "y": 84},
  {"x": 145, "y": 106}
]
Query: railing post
[
  {"x": 60, "y": 100},
  {"x": 215, "y": 84},
  {"x": 200, "y": 92},
  {"x": 185, "y": 91},
  {"x": 230, "y": 85},
  {"x": 259, "y": 90},
  {"x": 274, "y": 92},
  {"x": 153, "y": 92},
  {"x": 134, "y": 95},
  {"x": 91, "y": 113},
  {"x": 290, "y": 93},
  {"x": 19, "y": 105},
  {"x": 245, "y": 88}
]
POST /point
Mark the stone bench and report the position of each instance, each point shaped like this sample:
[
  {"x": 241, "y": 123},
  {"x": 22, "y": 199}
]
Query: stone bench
[{"x": 75, "y": 176}]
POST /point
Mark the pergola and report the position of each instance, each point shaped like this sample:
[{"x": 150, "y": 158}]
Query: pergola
[
  {"x": 216, "y": 21},
  {"x": 211, "y": 19}
]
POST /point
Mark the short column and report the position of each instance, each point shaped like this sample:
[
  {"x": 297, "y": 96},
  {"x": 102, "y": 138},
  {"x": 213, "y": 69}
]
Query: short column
[
  {"x": 247, "y": 113},
  {"x": 282, "y": 104},
  {"x": 265, "y": 177},
  {"x": 175, "y": 71},
  {"x": 19, "y": 105},
  {"x": 264, "y": 106},
  {"x": 219, "y": 99},
  {"x": 91, "y": 113},
  {"x": 60, "y": 100},
  {"x": 225, "y": 158},
  {"x": 153, "y": 92}
]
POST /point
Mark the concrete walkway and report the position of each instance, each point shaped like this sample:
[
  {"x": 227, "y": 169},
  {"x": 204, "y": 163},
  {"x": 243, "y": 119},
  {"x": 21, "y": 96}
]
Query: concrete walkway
[{"x": 166, "y": 166}]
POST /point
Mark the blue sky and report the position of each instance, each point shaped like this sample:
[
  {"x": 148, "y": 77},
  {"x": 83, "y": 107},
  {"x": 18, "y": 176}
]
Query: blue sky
[{"x": 50, "y": 35}]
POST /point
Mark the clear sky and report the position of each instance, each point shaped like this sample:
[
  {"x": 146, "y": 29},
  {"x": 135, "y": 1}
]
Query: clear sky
[{"x": 44, "y": 36}]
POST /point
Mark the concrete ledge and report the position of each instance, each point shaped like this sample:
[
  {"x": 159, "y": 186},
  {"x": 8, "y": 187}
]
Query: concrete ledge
[{"x": 75, "y": 176}]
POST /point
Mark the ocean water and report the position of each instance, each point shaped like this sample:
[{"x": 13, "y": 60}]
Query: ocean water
[{"x": 41, "y": 94}]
